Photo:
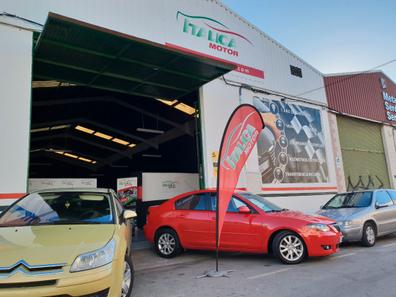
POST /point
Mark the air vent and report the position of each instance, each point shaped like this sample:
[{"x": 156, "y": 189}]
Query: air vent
[
  {"x": 296, "y": 71},
  {"x": 27, "y": 285}
]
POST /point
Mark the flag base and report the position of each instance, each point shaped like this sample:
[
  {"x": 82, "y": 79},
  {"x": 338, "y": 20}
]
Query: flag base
[{"x": 214, "y": 273}]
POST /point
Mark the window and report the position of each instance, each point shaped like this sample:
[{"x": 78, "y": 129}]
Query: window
[
  {"x": 350, "y": 200},
  {"x": 59, "y": 208},
  {"x": 392, "y": 194},
  {"x": 296, "y": 71},
  {"x": 382, "y": 198},
  {"x": 235, "y": 203},
  {"x": 193, "y": 202},
  {"x": 261, "y": 203}
]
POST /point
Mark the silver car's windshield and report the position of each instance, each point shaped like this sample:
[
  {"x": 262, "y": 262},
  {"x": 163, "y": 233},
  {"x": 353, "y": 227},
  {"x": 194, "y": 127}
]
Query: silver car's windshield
[
  {"x": 350, "y": 200},
  {"x": 59, "y": 208}
]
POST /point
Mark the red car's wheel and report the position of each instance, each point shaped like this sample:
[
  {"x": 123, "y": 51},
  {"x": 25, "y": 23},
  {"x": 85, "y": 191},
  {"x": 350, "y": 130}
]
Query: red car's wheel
[
  {"x": 289, "y": 247},
  {"x": 167, "y": 243}
]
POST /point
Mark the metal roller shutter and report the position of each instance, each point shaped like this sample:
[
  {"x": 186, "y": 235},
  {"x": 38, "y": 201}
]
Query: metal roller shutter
[{"x": 363, "y": 154}]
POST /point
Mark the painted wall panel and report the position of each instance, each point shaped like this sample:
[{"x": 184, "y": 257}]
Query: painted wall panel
[
  {"x": 389, "y": 139},
  {"x": 218, "y": 100},
  {"x": 36, "y": 184},
  {"x": 196, "y": 25},
  {"x": 162, "y": 186},
  {"x": 15, "y": 82}
]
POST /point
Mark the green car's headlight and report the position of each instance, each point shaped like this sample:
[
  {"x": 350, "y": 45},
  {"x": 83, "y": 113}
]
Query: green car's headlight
[
  {"x": 319, "y": 227},
  {"x": 94, "y": 259}
]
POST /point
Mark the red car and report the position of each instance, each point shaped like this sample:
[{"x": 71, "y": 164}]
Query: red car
[{"x": 252, "y": 225}]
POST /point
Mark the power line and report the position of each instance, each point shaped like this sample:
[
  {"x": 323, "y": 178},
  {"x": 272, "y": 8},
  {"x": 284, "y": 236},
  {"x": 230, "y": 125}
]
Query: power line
[{"x": 347, "y": 78}]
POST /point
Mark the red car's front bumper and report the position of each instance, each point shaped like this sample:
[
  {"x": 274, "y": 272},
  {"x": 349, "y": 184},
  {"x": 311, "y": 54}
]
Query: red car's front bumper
[{"x": 322, "y": 243}]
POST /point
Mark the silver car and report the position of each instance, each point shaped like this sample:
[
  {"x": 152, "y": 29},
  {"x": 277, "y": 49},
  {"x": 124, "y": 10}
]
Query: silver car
[{"x": 364, "y": 215}]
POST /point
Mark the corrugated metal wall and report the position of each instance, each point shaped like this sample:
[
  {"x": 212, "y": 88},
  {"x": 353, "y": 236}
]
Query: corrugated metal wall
[
  {"x": 363, "y": 154},
  {"x": 359, "y": 94}
]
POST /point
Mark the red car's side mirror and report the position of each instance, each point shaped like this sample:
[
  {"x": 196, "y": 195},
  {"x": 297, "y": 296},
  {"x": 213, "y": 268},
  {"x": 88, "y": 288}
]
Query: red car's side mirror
[{"x": 244, "y": 209}]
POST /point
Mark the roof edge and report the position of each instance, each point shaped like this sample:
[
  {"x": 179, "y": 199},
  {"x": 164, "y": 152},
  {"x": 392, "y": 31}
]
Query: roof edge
[{"x": 265, "y": 35}]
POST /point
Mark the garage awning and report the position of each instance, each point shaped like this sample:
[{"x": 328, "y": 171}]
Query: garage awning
[{"x": 72, "y": 51}]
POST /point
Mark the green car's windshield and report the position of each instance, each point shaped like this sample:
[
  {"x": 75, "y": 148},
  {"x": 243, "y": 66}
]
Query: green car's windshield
[
  {"x": 59, "y": 208},
  {"x": 350, "y": 200},
  {"x": 261, "y": 203}
]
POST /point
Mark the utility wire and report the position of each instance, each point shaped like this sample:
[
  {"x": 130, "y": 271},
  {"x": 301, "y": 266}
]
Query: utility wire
[
  {"x": 20, "y": 18},
  {"x": 347, "y": 78},
  {"x": 296, "y": 97}
]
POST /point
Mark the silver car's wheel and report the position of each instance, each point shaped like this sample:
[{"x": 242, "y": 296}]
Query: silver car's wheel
[
  {"x": 291, "y": 248},
  {"x": 127, "y": 280},
  {"x": 369, "y": 234},
  {"x": 166, "y": 244}
]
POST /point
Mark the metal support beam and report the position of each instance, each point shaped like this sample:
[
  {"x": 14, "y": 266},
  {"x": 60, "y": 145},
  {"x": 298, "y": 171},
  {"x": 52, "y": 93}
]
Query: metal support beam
[
  {"x": 112, "y": 100},
  {"x": 100, "y": 54},
  {"x": 167, "y": 136},
  {"x": 108, "y": 74},
  {"x": 95, "y": 124},
  {"x": 83, "y": 140}
]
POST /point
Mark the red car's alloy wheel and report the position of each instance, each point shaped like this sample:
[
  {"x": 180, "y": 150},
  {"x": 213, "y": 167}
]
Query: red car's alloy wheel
[{"x": 289, "y": 247}]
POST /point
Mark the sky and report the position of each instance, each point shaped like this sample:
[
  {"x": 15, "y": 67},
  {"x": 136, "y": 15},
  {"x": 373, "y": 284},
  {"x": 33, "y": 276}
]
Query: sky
[{"x": 332, "y": 35}]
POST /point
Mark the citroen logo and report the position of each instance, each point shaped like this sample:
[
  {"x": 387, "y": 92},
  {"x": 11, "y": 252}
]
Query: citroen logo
[{"x": 23, "y": 267}]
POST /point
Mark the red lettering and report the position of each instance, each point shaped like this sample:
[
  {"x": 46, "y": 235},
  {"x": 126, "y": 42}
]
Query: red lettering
[{"x": 223, "y": 49}]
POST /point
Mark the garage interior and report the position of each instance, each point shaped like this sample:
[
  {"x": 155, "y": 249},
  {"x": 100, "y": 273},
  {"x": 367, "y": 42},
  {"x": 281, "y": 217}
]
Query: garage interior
[{"x": 108, "y": 105}]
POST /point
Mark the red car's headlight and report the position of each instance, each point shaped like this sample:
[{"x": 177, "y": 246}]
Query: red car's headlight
[{"x": 319, "y": 227}]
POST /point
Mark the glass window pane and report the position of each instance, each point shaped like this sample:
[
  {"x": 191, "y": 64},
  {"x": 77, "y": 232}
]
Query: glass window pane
[
  {"x": 233, "y": 206},
  {"x": 382, "y": 197},
  {"x": 193, "y": 202},
  {"x": 59, "y": 208},
  {"x": 393, "y": 195}
]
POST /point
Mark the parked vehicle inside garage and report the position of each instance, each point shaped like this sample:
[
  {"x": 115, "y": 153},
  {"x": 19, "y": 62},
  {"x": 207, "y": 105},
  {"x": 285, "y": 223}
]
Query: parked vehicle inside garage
[
  {"x": 252, "y": 225},
  {"x": 364, "y": 215},
  {"x": 66, "y": 242}
]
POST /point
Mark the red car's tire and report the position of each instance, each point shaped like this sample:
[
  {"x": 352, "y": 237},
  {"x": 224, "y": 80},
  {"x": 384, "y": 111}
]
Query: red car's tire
[
  {"x": 289, "y": 248},
  {"x": 167, "y": 243}
]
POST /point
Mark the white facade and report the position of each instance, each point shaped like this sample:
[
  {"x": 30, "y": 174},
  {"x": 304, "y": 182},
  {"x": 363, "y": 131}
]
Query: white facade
[
  {"x": 15, "y": 88},
  {"x": 201, "y": 26}
]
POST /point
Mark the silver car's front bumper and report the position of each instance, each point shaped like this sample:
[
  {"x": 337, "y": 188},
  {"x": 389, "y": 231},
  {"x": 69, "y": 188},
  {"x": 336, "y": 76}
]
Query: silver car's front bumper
[{"x": 351, "y": 233}]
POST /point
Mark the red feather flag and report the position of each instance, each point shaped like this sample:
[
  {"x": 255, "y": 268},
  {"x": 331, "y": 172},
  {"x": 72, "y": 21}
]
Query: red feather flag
[{"x": 240, "y": 135}]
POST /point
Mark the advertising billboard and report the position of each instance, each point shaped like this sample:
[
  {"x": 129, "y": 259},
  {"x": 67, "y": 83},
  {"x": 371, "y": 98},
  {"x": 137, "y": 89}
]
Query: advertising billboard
[
  {"x": 291, "y": 149},
  {"x": 127, "y": 189}
]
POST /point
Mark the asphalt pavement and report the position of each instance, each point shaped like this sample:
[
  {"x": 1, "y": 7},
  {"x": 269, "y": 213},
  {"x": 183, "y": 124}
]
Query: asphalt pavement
[{"x": 354, "y": 271}]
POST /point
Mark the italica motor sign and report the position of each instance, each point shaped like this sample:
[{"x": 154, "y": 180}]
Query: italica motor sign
[{"x": 218, "y": 36}]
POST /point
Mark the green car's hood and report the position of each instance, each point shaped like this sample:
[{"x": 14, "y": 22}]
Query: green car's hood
[{"x": 41, "y": 245}]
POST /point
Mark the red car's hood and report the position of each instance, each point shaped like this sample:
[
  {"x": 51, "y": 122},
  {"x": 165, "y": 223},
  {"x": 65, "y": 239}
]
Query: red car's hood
[{"x": 303, "y": 217}]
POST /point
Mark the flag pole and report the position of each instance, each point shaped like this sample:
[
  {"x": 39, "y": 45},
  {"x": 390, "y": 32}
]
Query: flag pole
[
  {"x": 234, "y": 177},
  {"x": 217, "y": 231}
]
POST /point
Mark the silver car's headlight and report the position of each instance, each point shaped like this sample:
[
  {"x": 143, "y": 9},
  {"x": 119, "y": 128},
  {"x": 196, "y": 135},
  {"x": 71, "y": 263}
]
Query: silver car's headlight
[
  {"x": 319, "y": 227},
  {"x": 345, "y": 224},
  {"x": 94, "y": 259}
]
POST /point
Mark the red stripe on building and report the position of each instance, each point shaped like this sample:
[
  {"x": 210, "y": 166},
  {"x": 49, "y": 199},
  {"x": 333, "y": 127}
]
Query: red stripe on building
[
  {"x": 239, "y": 67},
  {"x": 300, "y": 189},
  {"x": 140, "y": 193},
  {"x": 11, "y": 195}
]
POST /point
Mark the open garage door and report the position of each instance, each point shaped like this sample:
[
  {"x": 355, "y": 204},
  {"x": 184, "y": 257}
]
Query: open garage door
[{"x": 106, "y": 104}]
